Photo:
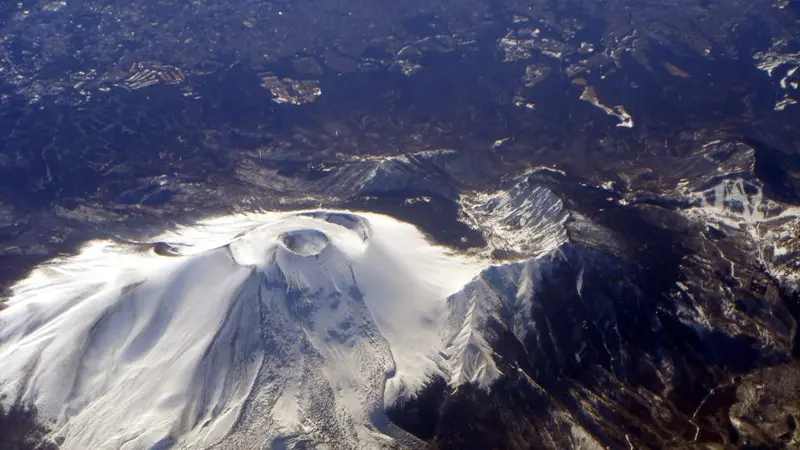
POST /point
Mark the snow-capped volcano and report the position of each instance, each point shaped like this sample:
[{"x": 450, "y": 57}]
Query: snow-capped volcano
[
  {"x": 267, "y": 329},
  {"x": 342, "y": 330}
]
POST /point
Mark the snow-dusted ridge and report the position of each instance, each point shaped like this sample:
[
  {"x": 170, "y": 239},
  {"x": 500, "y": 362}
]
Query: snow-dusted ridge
[
  {"x": 773, "y": 227},
  {"x": 524, "y": 220},
  {"x": 265, "y": 329}
]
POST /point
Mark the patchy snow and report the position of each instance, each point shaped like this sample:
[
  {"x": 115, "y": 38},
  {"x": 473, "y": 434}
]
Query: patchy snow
[
  {"x": 265, "y": 328},
  {"x": 738, "y": 203},
  {"x": 773, "y": 226},
  {"x": 787, "y": 66},
  {"x": 589, "y": 94},
  {"x": 582, "y": 439}
]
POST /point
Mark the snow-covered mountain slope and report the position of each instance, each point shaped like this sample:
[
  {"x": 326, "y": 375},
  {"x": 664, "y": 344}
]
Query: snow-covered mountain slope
[
  {"x": 526, "y": 219},
  {"x": 333, "y": 329},
  {"x": 269, "y": 329}
]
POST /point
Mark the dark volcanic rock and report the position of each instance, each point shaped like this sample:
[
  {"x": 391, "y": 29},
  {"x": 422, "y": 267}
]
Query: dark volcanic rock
[
  {"x": 767, "y": 408},
  {"x": 634, "y": 333}
]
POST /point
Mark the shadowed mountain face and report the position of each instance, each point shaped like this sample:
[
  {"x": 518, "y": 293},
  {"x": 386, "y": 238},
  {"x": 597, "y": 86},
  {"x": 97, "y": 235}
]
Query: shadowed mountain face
[
  {"x": 640, "y": 342},
  {"x": 621, "y": 176}
]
